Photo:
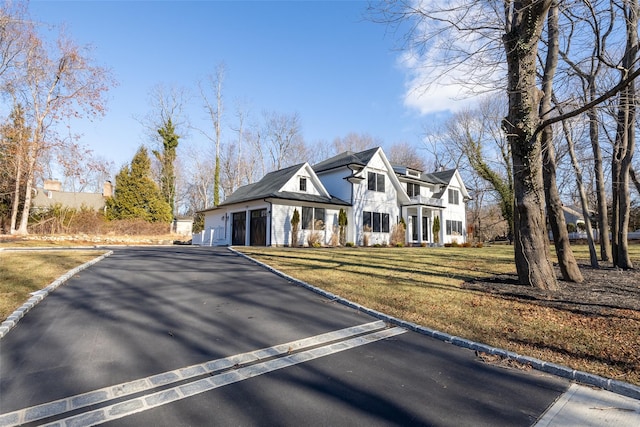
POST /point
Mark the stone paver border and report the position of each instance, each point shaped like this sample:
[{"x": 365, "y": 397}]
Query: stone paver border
[
  {"x": 619, "y": 387},
  {"x": 13, "y": 319}
]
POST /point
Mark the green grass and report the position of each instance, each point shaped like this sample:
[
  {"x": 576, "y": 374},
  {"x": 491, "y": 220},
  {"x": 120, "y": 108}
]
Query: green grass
[{"x": 423, "y": 285}]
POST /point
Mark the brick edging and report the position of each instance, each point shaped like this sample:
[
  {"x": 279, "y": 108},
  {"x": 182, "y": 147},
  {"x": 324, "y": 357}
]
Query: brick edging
[{"x": 615, "y": 386}]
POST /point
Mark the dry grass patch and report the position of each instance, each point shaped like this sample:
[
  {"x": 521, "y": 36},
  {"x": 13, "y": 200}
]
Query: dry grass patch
[
  {"x": 424, "y": 286},
  {"x": 24, "y": 272}
]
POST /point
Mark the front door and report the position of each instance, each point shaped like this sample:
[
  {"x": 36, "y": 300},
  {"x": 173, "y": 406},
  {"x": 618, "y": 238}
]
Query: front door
[
  {"x": 414, "y": 231},
  {"x": 239, "y": 228},
  {"x": 425, "y": 229},
  {"x": 258, "y": 228}
]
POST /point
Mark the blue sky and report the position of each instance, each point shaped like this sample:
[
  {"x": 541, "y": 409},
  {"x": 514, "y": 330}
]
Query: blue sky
[{"x": 322, "y": 60}]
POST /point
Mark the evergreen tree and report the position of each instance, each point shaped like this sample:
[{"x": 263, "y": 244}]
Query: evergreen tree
[
  {"x": 136, "y": 195},
  {"x": 167, "y": 158}
]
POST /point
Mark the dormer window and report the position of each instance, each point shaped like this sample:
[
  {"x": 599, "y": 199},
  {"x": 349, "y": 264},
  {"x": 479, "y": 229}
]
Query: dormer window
[{"x": 303, "y": 184}]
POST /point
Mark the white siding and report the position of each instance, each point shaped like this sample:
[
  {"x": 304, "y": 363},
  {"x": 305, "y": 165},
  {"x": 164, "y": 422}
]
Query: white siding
[{"x": 293, "y": 184}]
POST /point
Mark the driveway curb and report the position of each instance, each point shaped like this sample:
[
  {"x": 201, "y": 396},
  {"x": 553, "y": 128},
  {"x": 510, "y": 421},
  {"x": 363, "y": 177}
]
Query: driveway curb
[
  {"x": 38, "y": 296},
  {"x": 615, "y": 386}
]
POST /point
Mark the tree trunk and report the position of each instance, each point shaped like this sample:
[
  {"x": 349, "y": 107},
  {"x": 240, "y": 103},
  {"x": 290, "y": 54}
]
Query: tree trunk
[
  {"x": 593, "y": 257},
  {"x": 601, "y": 192},
  {"x": 625, "y": 142},
  {"x": 566, "y": 260},
  {"x": 531, "y": 241},
  {"x": 16, "y": 192}
]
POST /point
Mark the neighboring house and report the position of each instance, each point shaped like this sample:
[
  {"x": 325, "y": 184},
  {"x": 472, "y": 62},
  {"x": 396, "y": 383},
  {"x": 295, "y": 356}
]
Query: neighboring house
[
  {"x": 374, "y": 194},
  {"x": 51, "y": 194}
]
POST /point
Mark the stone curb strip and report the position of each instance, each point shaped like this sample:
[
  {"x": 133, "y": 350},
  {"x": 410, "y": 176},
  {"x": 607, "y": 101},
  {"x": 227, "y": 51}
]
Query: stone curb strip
[
  {"x": 614, "y": 386},
  {"x": 38, "y": 296},
  {"x": 125, "y": 399}
]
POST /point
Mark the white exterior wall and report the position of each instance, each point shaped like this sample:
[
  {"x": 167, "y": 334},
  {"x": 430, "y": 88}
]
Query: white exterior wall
[
  {"x": 215, "y": 223},
  {"x": 294, "y": 183},
  {"x": 454, "y": 213},
  {"x": 373, "y": 201},
  {"x": 281, "y": 230}
]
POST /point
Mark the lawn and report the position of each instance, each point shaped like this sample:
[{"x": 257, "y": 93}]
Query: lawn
[
  {"x": 423, "y": 285},
  {"x": 28, "y": 271}
]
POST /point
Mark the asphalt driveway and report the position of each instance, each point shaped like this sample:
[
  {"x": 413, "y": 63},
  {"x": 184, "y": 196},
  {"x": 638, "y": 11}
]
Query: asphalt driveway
[{"x": 199, "y": 336}]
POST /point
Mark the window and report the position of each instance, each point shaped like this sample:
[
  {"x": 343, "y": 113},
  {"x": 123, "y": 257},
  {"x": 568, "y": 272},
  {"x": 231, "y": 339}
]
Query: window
[
  {"x": 413, "y": 190},
  {"x": 375, "y": 182},
  {"x": 303, "y": 184},
  {"x": 376, "y": 221},
  {"x": 454, "y": 197},
  {"x": 454, "y": 227},
  {"x": 385, "y": 222},
  {"x": 312, "y": 219},
  {"x": 307, "y": 218},
  {"x": 366, "y": 220},
  {"x": 318, "y": 219}
]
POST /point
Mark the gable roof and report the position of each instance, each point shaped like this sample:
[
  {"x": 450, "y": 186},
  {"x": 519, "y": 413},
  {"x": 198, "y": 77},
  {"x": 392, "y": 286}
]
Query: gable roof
[
  {"x": 345, "y": 159},
  {"x": 67, "y": 199},
  {"x": 270, "y": 187}
]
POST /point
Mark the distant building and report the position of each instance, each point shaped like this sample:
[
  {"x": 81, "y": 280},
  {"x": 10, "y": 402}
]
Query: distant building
[{"x": 51, "y": 194}]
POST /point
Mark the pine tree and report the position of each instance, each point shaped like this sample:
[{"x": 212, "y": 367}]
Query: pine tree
[
  {"x": 167, "y": 158},
  {"x": 136, "y": 195}
]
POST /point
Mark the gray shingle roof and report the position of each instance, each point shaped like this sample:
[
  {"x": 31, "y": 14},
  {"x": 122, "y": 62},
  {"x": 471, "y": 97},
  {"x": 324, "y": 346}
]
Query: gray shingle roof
[
  {"x": 269, "y": 187},
  {"x": 344, "y": 159}
]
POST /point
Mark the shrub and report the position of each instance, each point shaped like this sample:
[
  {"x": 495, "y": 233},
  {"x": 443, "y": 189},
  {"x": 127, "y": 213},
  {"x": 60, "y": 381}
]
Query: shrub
[
  {"x": 335, "y": 237},
  {"x": 366, "y": 235},
  {"x": 479, "y": 245},
  {"x": 314, "y": 239},
  {"x": 295, "y": 223},
  {"x": 397, "y": 234},
  {"x": 466, "y": 245},
  {"x": 349, "y": 244}
]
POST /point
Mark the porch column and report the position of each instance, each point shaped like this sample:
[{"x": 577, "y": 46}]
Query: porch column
[{"x": 419, "y": 224}]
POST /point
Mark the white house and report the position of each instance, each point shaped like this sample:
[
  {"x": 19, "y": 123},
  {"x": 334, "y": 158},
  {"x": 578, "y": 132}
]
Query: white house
[{"x": 374, "y": 194}]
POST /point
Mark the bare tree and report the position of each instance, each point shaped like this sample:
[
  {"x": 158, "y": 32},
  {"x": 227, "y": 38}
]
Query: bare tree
[
  {"x": 54, "y": 83},
  {"x": 566, "y": 260},
  {"x": 355, "y": 142},
  {"x": 405, "y": 154},
  {"x": 485, "y": 36},
  {"x": 282, "y": 140},
  {"x": 214, "y": 108},
  {"x": 476, "y": 135},
  {"x": 625, "y": 138}
]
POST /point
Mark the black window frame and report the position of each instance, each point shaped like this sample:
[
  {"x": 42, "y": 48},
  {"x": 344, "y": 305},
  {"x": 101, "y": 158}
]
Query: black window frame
[
  {"x": 376, "y": 182},
  {"x": 307, "y": 218},
  {"x": 303, "y": 184},
  {"x": 367, "y": 219},
  {"x": 454, "y": 197}
]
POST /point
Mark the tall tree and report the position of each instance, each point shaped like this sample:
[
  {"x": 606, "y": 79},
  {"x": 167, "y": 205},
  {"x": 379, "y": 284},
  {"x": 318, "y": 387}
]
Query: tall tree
[
  {"x": 624, "y": 145},
  {"x": 52, "y": 84},
  {"x": 167, "y": 158},
  {"x": 136, "y": 195},
  {"x": 466, "y": 37},
  {"x": 214, "y": 109},
  {"x": 566, "y": 260},
  {"x": 476, "y": 135}
]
